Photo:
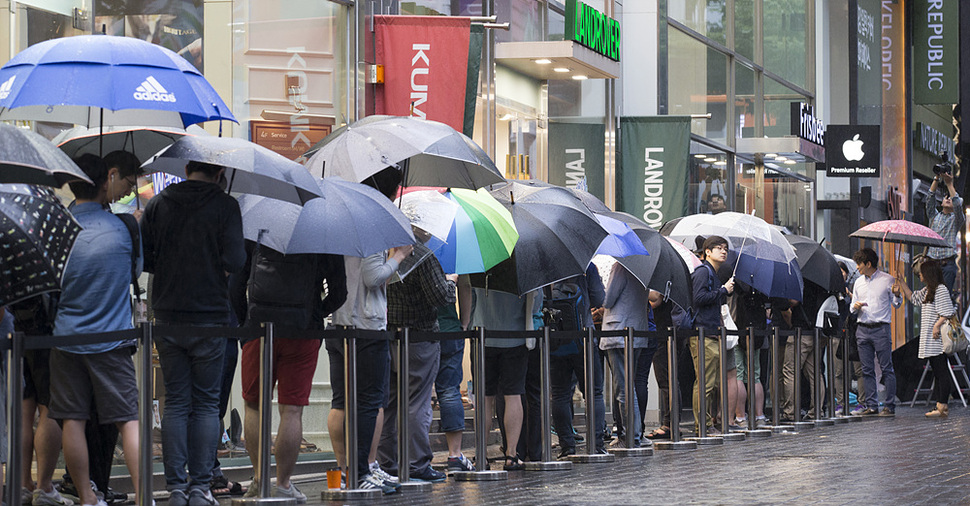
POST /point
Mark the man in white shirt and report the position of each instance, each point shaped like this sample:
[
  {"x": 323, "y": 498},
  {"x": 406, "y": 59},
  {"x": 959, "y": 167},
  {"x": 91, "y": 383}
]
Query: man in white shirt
[{"x": 872, "y": 302}]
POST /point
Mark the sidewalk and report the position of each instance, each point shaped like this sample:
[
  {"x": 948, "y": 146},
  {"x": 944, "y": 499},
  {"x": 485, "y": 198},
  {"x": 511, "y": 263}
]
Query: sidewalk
[{"x": 903, "y": 460}]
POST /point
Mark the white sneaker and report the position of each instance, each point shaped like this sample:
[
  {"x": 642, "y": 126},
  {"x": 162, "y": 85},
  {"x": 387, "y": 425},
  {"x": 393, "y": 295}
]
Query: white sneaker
[
  {"x": 292, "y": 492},
  {"x": 372, "y": 482},
  {"x": 52, "y": 498},
  {"x": 386, "y": 477}
]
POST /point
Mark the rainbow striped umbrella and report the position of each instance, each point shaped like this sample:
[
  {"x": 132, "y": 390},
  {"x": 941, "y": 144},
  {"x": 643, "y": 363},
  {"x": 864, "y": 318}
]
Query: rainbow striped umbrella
[{"x": 481, "y": 236}]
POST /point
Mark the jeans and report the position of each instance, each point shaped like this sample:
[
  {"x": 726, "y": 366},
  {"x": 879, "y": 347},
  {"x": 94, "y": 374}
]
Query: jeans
[
  {"x": 228, "y": 373},
  {"x": 949, "y": 276},
  {"x": 876, "y": 344},
  {"x": 192, "y": 370},
  {"x": 615, "y": 357},
  {"x": 563, "y": 369},
  {"x": 447, "y": 384},
  {"x": 641, "y": 380}
]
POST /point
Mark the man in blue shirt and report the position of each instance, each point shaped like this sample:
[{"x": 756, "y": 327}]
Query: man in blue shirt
[{"x": 95, "y": 298}]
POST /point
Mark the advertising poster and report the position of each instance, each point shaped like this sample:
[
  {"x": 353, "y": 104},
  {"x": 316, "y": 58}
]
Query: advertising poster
[
  {"x": 576, "y": 156},
  {"x": 652, "y": 177},
  {"x": 173, "y": 24}
]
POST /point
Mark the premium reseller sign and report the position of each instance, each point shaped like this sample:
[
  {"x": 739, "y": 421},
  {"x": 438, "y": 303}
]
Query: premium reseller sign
[
  {"x": 593, "y": 29},
  {"x": 936, "y": 51},
  {"x": 852, "y": 151},
  {"x": 652, "y": 180}
]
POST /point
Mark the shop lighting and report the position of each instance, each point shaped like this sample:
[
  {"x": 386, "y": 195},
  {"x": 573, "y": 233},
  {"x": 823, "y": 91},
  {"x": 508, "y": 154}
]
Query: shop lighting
[
  {"x": 561, "y": 70},
  {"x": 543, "y": 61},
  {"x": 771, "y": 155},
  {"x": 700, "y": 156},
  {"x": 710, "y": 159},
  {"x": 720, "y": 163},
  {"x": 790, "y": 162},
  {"x": 579, "y": 77},
  {"x": 780, "y": 158}
]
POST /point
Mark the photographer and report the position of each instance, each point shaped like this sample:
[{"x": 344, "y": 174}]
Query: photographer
[{"x": 947, "y": 221}]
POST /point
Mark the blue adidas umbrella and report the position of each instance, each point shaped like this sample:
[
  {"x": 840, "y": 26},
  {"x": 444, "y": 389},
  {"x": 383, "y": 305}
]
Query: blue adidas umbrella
[{"x": 94, "y": 80}]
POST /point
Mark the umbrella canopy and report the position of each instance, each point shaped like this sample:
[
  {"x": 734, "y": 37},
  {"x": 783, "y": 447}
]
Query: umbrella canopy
[
  {"x": 143, "y": 142},
  {"x": 349, "y": 219},
  {"x": 766, "y": 261},
  {"x": 36, "y": 237},
  {"x": 622, "y": 241},
  {"x": 558, "y": 236},
  {"x": 430, "y": 153},
  {"x": 664, "y": 269},
  {"x": 27, "y": 157},
  {"x": 430, "y": 211},
  {"x": 250, "y": 168},
  {"x": 482, "y": 235},
  {"x": 817, "y": 264},
  {"x": 900, "y": 231},
  {"x": 688, "y": 256},
  {"x": 122, "y": 80}
]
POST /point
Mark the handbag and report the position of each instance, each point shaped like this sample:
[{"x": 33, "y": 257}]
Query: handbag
[
  {"x": 732, "y": 336},
  {"x": 954, "y": 339},
  {"x": 849, "y": 341}
]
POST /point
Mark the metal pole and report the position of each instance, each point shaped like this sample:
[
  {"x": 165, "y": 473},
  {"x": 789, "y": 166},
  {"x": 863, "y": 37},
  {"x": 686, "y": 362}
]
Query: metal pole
[
  {"x": 482, "y": 426},
  {"x": 144, "y": 485},
  {"x": 350, "y": 409},
  {"x": 591, "y": 421},
  {"x": 674, "y": 386},
  {"x": 846, "y": 373},
  {"x": 819, "y": 386},
  {"x": 403, "y": 395},
  {"x": 775, "y": 383},
  {"x": 752, "y": 385},
  {"x": 725, "y": 415},
  {"x": 630, "y": 390},
  {"x": 797, "y": 394},
  {"x": 544, "y": 363},
  {"x": 701, "y": 387},
  {"x": 15, "y": 378},
  {"x": 831, "y": 377},
  {"x": 265, "y": 410}
]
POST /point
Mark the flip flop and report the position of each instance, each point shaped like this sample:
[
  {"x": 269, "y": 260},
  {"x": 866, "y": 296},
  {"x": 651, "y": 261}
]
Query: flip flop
[
  {"x": 221, "y": 486},
  {"x": 660, "y": 433}
]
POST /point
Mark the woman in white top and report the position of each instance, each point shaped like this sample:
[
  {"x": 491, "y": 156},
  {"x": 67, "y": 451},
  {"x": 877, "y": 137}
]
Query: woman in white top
[{"x": 934, "y": 298}]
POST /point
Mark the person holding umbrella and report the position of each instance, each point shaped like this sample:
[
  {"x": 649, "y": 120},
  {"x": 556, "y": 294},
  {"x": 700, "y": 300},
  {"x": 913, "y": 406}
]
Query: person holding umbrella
[{"x": 873, "y": 297}]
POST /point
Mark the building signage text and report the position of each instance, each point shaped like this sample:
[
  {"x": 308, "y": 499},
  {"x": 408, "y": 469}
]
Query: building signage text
[
  {"x": 805, "y": 125},
  {"x": 936, "y": 52},
  {"x": 933, "y": 141},
  {"x": 852, "y": 151},
  {"x": 593, "y": 29}
]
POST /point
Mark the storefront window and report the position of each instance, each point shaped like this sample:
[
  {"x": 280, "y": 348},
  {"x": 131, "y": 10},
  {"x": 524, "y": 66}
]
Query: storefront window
[
  {"x": 778, "y": 100},
  {"x": 776, "y": 196},
  {"x": 709, "y": 191},
  {"x": 697, "y": 84},
  {"x": 706, "y": 17},
  {"x": 744, "y": 23},
  {"x": 785, "y": 30},
  {"x": 745, "y": 101}
]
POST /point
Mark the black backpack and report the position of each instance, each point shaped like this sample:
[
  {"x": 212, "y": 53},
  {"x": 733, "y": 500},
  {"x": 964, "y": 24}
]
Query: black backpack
[{"x": 283, "y": 289}]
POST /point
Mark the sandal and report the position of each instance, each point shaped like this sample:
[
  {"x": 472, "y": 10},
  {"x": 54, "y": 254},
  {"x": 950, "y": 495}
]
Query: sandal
[
  {"x": 660, "y": 433},
  {"x": 221, "y": 486},
  {"x": 514, "y": 464}
]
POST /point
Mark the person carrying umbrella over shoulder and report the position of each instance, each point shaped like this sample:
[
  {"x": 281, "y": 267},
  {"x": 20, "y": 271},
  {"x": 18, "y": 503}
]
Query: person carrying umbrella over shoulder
[{"x": 947, "y": 221}]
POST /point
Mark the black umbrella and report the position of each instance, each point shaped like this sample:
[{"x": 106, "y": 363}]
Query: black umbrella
[
  {"x": 663, "y": 269},
  {"x": 27, "y": 157},
  {"x": 818, "y": 264},
  {"x": 36, "y": 237},
  {"x": 558, "y": 236}
]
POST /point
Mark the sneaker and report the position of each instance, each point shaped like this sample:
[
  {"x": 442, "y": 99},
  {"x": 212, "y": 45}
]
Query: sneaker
[
  {"x": 887, "y": 411},
  {"x": 199, "y": 497},
  {"x": 372, "y": 482},
  {"x": 112, "y": 497},
  {"x": 252, "y": 491},
  {"x": 761, "y": 421},
  {"x": 577, "y": 437},
  {"x": 429, "y": 475},
  {"x": 460, "y": 463},
  {"x": 26, "y": 496},
  {"x": 291, "y": 492},
  {"x": 863, "y": 411},
  {"x": 565, "y": 453},
  {"x": 386, "y": 477},
  {"x": 740, "y": 421},
  {"x": 177, "y": 498},
  {"x": 99, "y": 503},
  {"x": 53, "y": 498},
  {"x": 735, "y": 428}
]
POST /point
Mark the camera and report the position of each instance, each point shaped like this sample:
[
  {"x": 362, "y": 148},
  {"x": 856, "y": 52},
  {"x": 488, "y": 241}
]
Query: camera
[{"x": 944, "y": 166}]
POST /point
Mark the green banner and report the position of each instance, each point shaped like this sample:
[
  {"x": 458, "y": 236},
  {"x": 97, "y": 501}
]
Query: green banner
[
  {"x": 577, "y": 156},
  {"x": 471, "y": 77},
  {"x": 936, "y": 51},
  {"x": 651, "y": 179}
]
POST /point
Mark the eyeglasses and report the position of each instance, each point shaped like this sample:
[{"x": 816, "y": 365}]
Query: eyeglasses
[
  {"x": 132, "y": 182},
  {"x": 722, "y": 247}
]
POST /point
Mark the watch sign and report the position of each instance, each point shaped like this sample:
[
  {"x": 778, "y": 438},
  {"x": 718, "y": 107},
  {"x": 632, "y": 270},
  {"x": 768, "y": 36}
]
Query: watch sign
[{"x": 852, "y": 151}]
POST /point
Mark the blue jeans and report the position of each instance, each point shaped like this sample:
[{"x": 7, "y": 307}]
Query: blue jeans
[
  {"x": 615, "y": 357},
  {"x": 447, "y": 384},
  {"x": 877, "y": 343},
  {"x": 949, "y": 276},
  {"x": 192, "y": 370},
  {"x": 564, "y": 370},
  {"x": 641, "y": 381}
]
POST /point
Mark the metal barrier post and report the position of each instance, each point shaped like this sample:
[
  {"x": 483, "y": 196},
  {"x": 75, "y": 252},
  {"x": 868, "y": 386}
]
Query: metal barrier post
[
  {"x": 145, "y": 415},
  {"x": 833, "y": 415},
  {"x": 15, "y": 378},
  {"x": 753, "y": 430},
  {"x": 547, "y": 464},
  {"x": 777, "y": 362},
  {"x": 403, "y": 424},
  {"x": 673, "y": 383},
  {"x": 482, "y": 426},
  {"x": 797, "y": 394},
  {"x": 819, "y": 390},
  {"x": 701, "y": 421},
  {"x": 726, "y": 415},
  {"x": 632, "y": 447},
  {"x": 352, "y": 492},
  {"x": 847, "y": 379},
  {"x": 263, "y": 473},
  {"x": 591, "y": 456}
]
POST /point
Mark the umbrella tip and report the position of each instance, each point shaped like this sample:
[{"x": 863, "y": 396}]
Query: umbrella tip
[{"x": 512, "y": 198}]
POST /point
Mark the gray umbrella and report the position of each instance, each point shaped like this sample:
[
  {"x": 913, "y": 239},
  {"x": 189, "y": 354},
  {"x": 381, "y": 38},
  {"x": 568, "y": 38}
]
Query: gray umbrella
[
  {"x": 251, "y": 168},
  {"x": 429, "y": 152},
  {"x": 27, "y": 157},
  {"x": 349, "y": 219},
  {"x": 143, "y": 142}
]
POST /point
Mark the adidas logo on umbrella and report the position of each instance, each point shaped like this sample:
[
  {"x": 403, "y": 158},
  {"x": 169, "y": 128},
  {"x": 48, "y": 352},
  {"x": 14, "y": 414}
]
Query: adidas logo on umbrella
[
  {"x": 153, "y": 91},
  {"x": 6, "y": 87}
]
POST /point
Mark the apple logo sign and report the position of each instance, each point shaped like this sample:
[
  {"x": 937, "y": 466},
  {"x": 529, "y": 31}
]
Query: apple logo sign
[{"x": 852, "y": 149}]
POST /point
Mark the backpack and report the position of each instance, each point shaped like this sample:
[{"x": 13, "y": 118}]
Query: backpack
[
  {"x": 563, "y": 310},
  {"x": 283, "y": 289}
]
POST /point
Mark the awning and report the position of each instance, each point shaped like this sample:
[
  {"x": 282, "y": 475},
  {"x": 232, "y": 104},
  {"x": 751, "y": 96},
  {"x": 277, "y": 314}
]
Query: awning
[
  {"x": 559, "y": 59},
  {"x": 791, "y": 147}
]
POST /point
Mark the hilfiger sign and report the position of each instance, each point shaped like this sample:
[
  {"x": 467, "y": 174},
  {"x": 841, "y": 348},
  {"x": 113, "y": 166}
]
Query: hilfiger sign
[
  {"x": 425, "y": 61},
  {"x": 593, "y": 29}
]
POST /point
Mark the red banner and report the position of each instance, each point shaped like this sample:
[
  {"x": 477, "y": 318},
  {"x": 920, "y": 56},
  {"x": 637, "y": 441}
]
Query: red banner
[{"x": 425, "y": 60}]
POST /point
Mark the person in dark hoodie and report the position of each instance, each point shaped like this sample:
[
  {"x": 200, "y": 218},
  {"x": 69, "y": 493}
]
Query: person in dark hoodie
[{"x": 192, "y": 235}]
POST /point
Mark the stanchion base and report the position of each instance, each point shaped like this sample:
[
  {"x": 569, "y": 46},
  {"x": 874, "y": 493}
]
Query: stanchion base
[
  {"x": 733, "y": 436},
  {"x": 670, "y": 445},
  {"x": 800, "y": 426},
  {"x": 270, "y": 501},
  {"x": 552, "y": 465},
  {"x": 480, "y": 475},
  {"x": 709, "y": 440},
  {"x": 416, "y": 486},
  {"x": 356, "y": 494},
  {"x": 758, "y": 433},
  {"x": 595, "y": 458},
  {"x": 839, "y": 420},
  {"x": 824, "y": 422},
  {"x": 631, "y": 452},
  {"x": 777, "y": 429}
]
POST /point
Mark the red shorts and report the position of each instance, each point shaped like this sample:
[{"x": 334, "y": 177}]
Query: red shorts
[{"x": 294, "y": 362}]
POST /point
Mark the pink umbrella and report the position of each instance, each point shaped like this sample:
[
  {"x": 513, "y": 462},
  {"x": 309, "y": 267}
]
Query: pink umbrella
[
  {"x": 900, "y": 231},
  {"x": 689, "y": 257}
]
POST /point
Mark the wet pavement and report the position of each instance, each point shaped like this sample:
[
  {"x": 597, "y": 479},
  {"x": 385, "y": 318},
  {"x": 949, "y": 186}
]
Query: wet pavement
[{"x": 903, "y": 460}]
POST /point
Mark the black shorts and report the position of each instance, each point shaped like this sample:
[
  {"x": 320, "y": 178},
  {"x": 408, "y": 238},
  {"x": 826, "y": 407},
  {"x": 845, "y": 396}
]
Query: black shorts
[
  {"x": 37, "y": 376},
  {"x": 505, "y": 370},
  {"x": 107, "y": 379},
  {"x": 372, "y": 372}
]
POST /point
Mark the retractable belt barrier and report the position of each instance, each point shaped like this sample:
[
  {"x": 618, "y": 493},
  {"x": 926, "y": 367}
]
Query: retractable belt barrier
[{"x": 143, "y": 336}]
